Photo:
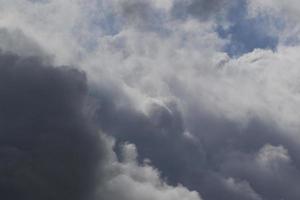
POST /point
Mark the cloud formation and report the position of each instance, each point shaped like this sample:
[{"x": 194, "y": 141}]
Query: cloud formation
[
  {"x": 241, "y": 161},
  {"x": 48, "y": 148},
  {"x": 202, "y": 9},
  {"x": 129, "y": 180},
  {"x": 162, "y": 79}
]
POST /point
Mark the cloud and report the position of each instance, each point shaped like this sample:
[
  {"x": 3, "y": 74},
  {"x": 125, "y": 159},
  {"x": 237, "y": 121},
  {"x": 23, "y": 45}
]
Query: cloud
[
  {"x": 238, "y": 160},
  {"x": 202, "y": 9},
  {"x": 242, "y": 189},
  {"x": 129, "y": 180},
  {"x": 289, "y": 7},
  {"x": 283, "y": 16},
  {"x": 271, "y": 168},
  {"x": 143, "y": 15},
  {"x": 224, "y": 126},
  {"x": 48, "y": 148},
  {"x": 16, "y": 41}
]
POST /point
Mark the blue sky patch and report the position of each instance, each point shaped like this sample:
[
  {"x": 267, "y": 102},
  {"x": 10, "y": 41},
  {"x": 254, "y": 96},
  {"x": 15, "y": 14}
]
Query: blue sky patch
[{"x": 246, "y": 34}]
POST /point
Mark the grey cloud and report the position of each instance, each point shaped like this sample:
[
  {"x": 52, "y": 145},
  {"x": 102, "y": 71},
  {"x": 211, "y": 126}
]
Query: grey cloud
[
  {"x": 145, "y": 16},
  {"x": 141, "y": 14},
  {"x": 48, "y": 147},
  {"x": 125, "y": 178},
  {"x": 17, "y": 42},
  {"x": 201, "y": 9},
  {"x": 221, "y": 156},
  {"x": 273, "y": 177}
]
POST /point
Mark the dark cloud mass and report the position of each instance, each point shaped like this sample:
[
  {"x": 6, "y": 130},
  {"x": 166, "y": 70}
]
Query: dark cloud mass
[
  {"x": 48, "y": 148},
  {"x": 222, "y": 160}
]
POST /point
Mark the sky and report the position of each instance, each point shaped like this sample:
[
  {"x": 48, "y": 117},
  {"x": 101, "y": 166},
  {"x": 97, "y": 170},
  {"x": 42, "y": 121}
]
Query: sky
[{"x": 149, "y": 99}]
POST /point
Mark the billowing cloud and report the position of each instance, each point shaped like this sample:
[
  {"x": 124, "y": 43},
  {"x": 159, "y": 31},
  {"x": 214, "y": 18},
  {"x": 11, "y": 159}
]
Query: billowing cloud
[
  {"x": 164, "y": 84},
  {"x": 209, "y": 152},
  {"x": 50, "y": 148},
  {"x": 129, "y": 180}
]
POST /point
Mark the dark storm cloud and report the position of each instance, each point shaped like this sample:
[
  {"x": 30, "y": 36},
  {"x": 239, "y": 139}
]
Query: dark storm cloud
[
  {"x": 48, "y": 148},
  {"x": 225, "y": 160}
]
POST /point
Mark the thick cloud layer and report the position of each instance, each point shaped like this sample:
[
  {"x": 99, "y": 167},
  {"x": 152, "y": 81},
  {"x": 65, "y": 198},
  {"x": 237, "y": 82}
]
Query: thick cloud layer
[
  {"x": 48, "y": 149},
  {"x": 184, "y": 82},
  {"x": 239, "y": 161}
]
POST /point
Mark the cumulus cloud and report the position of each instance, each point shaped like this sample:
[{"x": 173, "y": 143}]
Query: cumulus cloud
[
  {"x": 50, "y": 148},
  {"x": 226, "y": 127},
  {"x": 220, "y": 153},
  {"x": 129, "y": 180}
]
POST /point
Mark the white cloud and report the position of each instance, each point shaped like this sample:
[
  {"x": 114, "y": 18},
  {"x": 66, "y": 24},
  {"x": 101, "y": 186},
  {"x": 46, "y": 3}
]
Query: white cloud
[
  {"x": 161, "y": 59},
  {"x": 181, "y": 62},
  {"x": 128, "y": 180},
  {"x": 273, "y": 156}
]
